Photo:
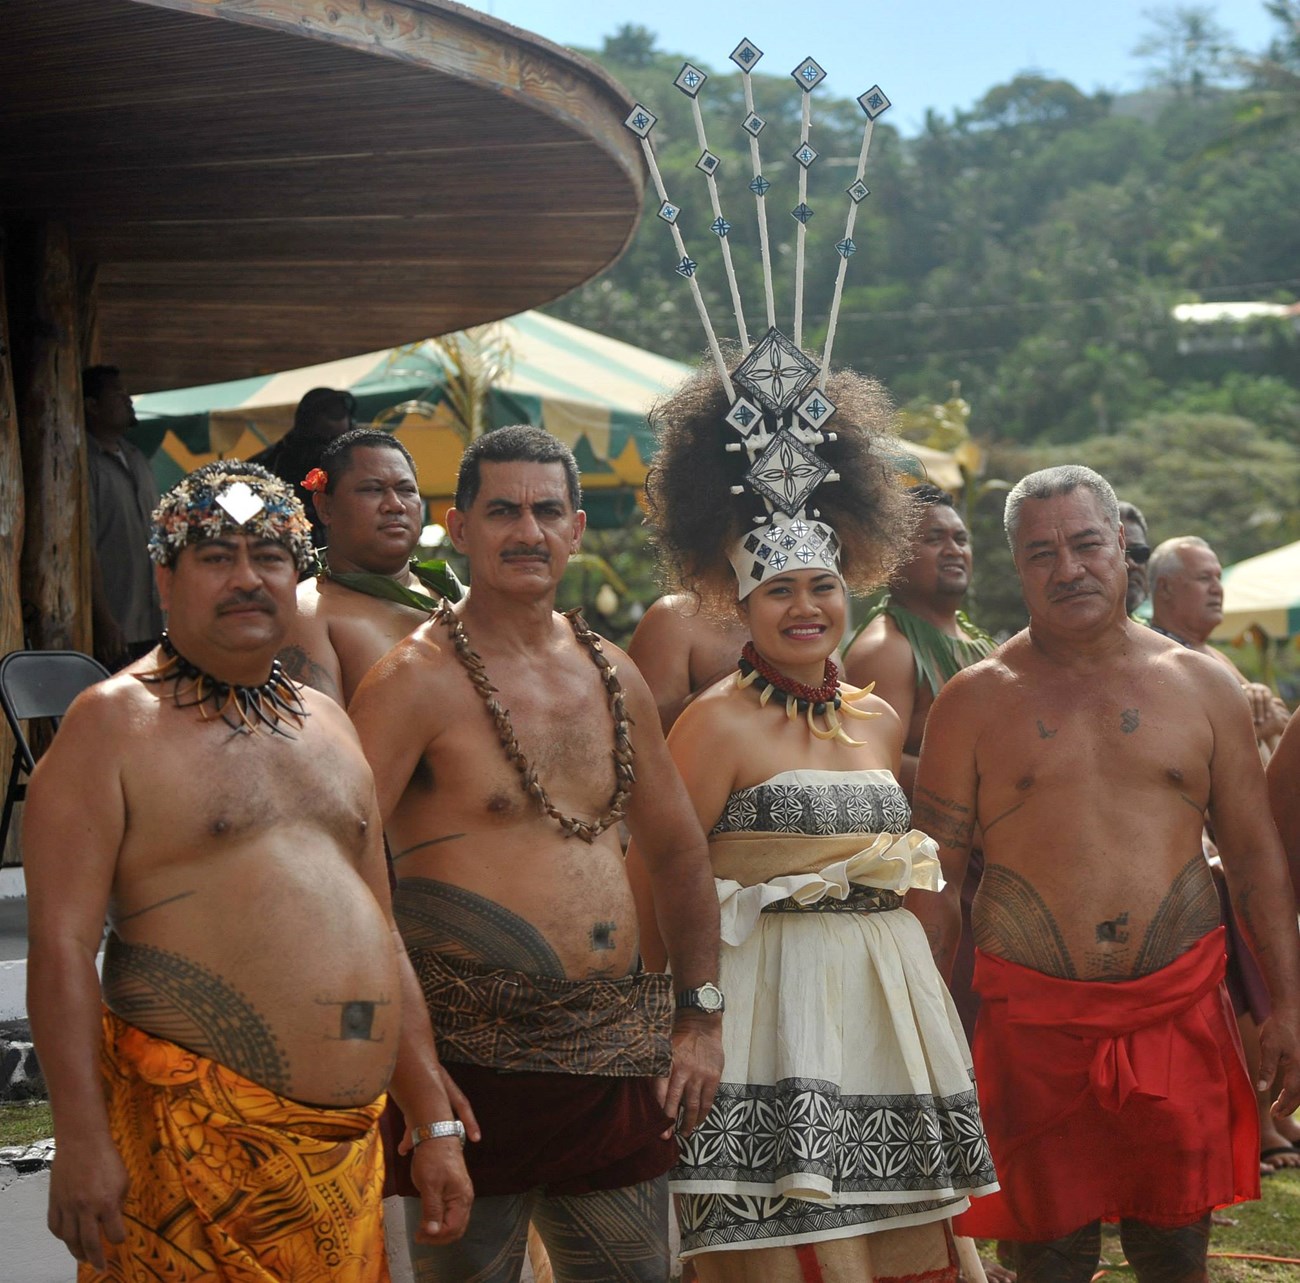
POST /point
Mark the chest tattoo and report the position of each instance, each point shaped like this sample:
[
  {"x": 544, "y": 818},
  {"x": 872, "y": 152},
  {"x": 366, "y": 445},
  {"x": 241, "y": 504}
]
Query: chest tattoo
[
  {"x": 1128, "y": 721},
  {"x": 1044, "y": 733}
]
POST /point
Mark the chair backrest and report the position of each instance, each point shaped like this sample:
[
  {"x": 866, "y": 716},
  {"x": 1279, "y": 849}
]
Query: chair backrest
[{"x": 42, "y": 683}]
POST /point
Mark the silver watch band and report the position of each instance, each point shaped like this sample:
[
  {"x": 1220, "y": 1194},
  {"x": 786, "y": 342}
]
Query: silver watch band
[{"x": 436, "y": 1131}]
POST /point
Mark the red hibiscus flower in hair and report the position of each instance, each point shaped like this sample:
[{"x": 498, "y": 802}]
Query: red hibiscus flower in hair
[{"x": 316, "y": 480}]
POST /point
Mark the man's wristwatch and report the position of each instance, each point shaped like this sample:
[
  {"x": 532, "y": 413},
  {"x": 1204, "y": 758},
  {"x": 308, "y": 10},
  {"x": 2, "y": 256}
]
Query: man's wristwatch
[
  {"x": 707, "y": 998},
  {"x": 437, "y": 1131}
]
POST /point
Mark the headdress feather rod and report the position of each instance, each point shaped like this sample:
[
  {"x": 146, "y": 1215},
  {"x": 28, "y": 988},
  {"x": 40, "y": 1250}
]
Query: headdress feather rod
[
  {"x": 746, "y": 56},
  {"x": 873, "y": 102},
  {"x": 641, "y": 121},
  {"x": 690, "y": 81},
  {"x": 782, "y": 411}
]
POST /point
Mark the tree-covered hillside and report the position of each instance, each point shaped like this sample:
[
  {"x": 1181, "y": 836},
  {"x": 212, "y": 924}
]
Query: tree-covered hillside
[{"x": 1030, "y": 250}]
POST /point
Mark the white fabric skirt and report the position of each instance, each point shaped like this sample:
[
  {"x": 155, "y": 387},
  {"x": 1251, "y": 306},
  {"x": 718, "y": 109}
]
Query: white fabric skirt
[{"x": 847, "y": 1103}]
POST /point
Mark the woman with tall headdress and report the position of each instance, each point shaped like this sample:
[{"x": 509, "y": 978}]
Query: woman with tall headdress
[{"x": 845, "y": 1133}]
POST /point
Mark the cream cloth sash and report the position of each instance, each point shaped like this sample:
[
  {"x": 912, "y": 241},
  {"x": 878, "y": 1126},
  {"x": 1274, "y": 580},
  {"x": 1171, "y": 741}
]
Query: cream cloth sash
[{"x": 752, "y": 870}]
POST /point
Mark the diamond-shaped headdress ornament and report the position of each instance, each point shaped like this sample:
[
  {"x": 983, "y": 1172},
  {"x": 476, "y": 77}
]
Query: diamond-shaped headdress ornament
[
  {"x": 777, "y": 404},
  {"x": 241, "y": 503}
]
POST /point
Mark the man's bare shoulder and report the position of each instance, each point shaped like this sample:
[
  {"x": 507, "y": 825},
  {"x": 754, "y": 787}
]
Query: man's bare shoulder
[
  {"x": 310, "y": 597},
  {"x": 714, "y": 710},
  {"x": 119, "y": 705},
  {"x": 1209, "y": 675},
  {"x": 879, "y": 643},
  {"x": 422, "y": 655},
  {"x": 327, "y": 714},
  {"x": 332, "y": 603},
  {"x": 674, "y": 620}
]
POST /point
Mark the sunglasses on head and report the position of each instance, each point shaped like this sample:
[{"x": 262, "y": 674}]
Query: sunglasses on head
[{"x": 1138, "y": 553}]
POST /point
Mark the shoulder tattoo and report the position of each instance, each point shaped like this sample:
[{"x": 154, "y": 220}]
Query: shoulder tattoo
[{"x": 302, "y": 668}]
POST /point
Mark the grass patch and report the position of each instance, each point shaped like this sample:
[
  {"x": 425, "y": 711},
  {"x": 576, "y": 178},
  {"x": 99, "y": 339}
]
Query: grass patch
[
  {"x": 26, "y": 1121},
  {"x": 1270, "y": 1227}
]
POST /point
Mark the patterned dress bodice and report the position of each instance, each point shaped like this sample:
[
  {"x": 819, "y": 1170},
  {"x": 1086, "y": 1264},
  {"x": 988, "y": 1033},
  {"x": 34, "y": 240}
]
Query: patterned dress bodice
[{"x": 819, "y": 803}]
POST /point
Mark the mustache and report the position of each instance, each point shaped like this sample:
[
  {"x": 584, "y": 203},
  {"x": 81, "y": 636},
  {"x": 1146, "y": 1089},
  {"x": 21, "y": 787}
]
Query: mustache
[
  {"x": 523, "y": 550},
  {"x": 240, "y": 599},
  {"x": 1069, "y": 590}
]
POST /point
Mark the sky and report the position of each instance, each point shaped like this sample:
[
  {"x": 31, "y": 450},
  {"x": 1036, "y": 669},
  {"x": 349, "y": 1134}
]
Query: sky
[{"x": 940, "y": 54}]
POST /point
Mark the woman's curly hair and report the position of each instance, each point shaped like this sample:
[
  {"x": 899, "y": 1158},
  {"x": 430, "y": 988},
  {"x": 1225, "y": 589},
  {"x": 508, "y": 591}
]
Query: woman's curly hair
[{"x": 697, "y": 520}]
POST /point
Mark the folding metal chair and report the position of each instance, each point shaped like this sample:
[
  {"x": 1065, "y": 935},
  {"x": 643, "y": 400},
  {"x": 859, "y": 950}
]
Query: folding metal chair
[{"x": 35, "y": 684}]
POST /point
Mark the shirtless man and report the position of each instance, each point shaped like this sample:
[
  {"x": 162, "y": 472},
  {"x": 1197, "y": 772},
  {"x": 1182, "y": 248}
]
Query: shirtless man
[
  {"x": 1087, "y": 750},
  {"x": 1187, "y": 606},
  {"x": 370, "y": 510},
  {"x": 258, "y": 1000},
  {"x": 1137, "y": 552},
  {"x": 680, "y": 651},
  {"x": 925, "y": 598},
  {"x": 512, "y": 895},
  {"x": 1284, "y": 794}
]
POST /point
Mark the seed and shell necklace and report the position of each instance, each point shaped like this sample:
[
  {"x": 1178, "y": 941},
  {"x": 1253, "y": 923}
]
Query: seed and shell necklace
[
  {"x": 272, "y": 705},
  {"x": 623, "y": 752},
  {"x": 826, "y": 701}
]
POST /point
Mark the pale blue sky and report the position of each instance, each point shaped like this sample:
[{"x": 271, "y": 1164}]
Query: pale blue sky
[{"x": 923, "y": 53}]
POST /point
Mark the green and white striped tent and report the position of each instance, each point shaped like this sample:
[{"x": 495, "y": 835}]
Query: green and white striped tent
[
  {"x": 1262, "y": 592},
  {"x": 591, "y": 391}
]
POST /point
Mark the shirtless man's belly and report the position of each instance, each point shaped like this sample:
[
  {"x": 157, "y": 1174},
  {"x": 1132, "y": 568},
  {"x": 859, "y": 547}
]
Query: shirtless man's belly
[
  {"x": 223, "y": 884},
  {"x": 1091, "y": 820},
  {"x": 483, "y": 875}
]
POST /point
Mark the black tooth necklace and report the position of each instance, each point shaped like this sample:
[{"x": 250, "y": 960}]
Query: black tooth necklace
[{"x": 271, "y": 706}]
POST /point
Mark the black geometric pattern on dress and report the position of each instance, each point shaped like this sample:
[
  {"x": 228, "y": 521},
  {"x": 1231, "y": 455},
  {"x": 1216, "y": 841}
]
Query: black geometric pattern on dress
[
  {"x": 859, "y": 900},
  {"x": 719, "y": 1220},
  {"x": 817, "y": 809},
  {"x": 756, "y": 1134}
]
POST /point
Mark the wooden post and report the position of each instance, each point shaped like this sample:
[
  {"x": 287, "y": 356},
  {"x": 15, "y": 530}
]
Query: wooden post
[
  {"x": 11, "y": 534},
  {"x": 56, "y": 545}
]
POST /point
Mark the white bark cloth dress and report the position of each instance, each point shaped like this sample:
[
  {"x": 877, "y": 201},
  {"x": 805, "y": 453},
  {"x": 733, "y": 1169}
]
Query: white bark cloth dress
[{"x": 847, "y": 1104}]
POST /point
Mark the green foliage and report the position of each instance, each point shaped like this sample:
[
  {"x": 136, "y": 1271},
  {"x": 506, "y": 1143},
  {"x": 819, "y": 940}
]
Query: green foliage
[
  {"x": 1214, "y": 475},
  {"x": 1031, "y": 250}
]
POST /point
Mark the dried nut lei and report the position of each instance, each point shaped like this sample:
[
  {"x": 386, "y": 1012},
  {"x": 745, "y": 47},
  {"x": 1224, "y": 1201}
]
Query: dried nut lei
[{"x": 624, "y": 776}]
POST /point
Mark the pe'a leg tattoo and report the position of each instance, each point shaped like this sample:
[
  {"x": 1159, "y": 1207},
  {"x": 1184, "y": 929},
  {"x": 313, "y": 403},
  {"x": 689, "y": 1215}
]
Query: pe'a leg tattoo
[
  {"x": 1070, "y": 1259},
  {"x": 1162, "y": 1255},
  {"x": 613, "y": 1236},
  {"x": 1189, "y": 911},
  {"x": 461, "y": 924},
  {"x": 174, "y": 998},
  {"x": 490, "y": 1251},
  {"x": 1013, "y": 921}
]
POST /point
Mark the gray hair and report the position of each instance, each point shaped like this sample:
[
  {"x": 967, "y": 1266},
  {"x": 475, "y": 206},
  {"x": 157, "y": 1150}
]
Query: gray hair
[
  {"x": 1131, "y": 512},
  {"x": 1167, "y": 558},
  {"x": 1052, "y": 483}
]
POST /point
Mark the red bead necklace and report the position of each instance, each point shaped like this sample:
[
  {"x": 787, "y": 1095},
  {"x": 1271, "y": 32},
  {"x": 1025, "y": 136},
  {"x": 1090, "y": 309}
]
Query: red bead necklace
[{"x": 816, "y": 697}]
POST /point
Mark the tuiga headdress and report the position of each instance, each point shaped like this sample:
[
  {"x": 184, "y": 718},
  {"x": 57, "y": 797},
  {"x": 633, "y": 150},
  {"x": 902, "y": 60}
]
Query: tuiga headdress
[{"x": 777, "y": 402}]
